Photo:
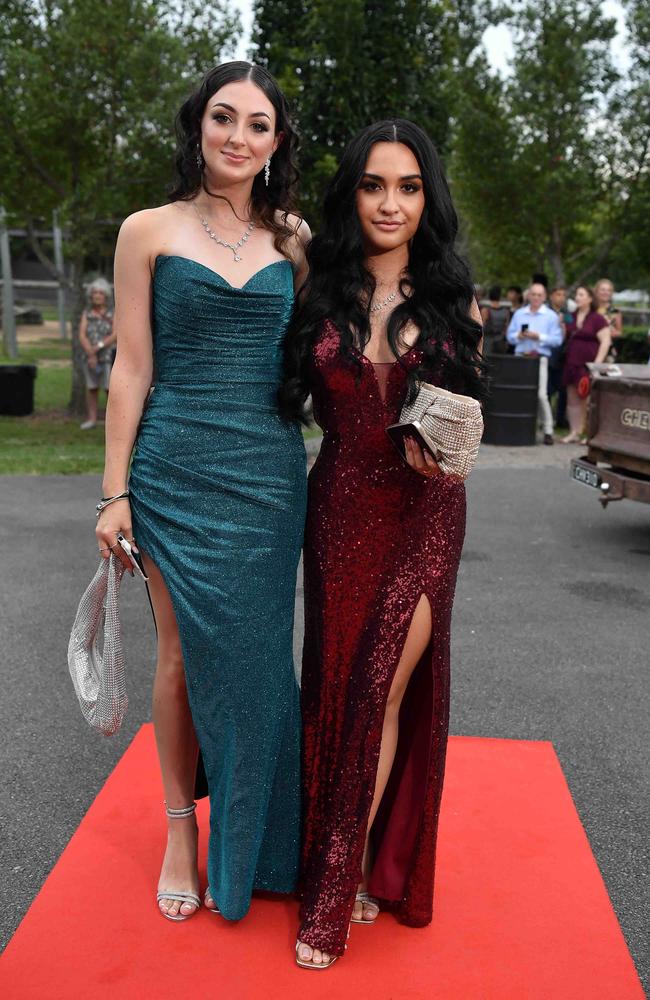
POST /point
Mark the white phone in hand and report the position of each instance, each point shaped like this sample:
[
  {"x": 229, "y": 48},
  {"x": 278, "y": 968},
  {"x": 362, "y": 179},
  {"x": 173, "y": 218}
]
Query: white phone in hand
[{"x": 134, "y": 557}]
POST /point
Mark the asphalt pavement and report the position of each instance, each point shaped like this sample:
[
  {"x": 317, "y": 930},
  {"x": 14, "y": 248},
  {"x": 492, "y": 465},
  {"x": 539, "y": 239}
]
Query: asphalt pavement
[{"x": 550, "y": 642}]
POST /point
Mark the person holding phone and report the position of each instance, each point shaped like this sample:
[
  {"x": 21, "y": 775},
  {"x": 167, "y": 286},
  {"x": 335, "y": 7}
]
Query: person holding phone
[
  {"x": 534, "y": 331},
  {"x": 215, "y": 498},
  {"x": 388, "y": 303}
]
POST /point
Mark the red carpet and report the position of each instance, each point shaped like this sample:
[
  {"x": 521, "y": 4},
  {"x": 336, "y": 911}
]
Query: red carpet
[{"x": 521, "y": 909}]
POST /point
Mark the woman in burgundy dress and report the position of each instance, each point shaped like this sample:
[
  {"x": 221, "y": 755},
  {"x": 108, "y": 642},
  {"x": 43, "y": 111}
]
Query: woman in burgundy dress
[
  {"x": 388, "y": 302},
  {"x": 589, "y": 338}
]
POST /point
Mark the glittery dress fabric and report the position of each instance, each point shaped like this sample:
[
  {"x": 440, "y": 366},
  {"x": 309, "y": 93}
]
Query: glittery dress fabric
[
  {"x": 379, "y": 536},
  {"x": 218, "y": 495}
]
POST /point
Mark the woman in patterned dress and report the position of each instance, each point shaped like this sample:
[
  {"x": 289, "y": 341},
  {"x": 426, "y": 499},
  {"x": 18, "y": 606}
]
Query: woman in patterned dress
[{"x": 97, "y": 340}]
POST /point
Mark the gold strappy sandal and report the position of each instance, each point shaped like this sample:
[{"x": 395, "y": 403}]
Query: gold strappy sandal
[
  {"x": 184, "y": 897},
  {"x": 366, "y": 900}
]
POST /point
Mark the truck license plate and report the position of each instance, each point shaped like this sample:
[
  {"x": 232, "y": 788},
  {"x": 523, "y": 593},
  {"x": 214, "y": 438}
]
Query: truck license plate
[{"x": 588, "y": 477}]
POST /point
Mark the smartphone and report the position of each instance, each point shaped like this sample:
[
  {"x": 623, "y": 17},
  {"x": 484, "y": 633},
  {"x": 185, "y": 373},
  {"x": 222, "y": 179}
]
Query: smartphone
[
  {"x": 524, "y": 327},
  {"x": 134, "y": 557},
  {"x": 397, "y": 433}
]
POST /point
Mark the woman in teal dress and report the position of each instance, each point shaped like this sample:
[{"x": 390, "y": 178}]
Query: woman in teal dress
[{"x": 217, "y": 485}]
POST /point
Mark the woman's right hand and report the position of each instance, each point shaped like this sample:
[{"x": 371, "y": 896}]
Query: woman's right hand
[
  {"x": 419, "y": 458},
  {"x": 114, "y": 520}
]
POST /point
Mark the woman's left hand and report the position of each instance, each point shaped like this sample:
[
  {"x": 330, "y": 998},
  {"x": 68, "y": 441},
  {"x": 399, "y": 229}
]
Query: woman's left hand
[{"x": 419, "y": 458}]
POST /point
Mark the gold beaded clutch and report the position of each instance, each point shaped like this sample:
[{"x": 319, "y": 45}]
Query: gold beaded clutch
[{"x": 450, "y": 425}]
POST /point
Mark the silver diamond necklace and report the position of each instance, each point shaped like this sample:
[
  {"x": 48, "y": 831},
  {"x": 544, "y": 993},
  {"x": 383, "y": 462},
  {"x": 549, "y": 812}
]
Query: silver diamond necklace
[
  {"x": 235, "y": 247},
  {"x": 382, "y": 305}
]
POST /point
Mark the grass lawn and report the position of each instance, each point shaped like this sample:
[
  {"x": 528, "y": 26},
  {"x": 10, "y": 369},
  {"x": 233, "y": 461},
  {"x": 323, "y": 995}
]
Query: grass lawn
[{"x": 49, "y": 442}]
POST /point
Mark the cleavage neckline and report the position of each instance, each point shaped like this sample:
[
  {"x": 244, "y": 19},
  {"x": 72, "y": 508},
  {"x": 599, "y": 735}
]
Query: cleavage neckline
[{"x": 216, "y": 274}]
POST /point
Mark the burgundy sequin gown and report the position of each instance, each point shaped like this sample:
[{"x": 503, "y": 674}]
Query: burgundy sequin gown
[{"x": 379, "y": 536}]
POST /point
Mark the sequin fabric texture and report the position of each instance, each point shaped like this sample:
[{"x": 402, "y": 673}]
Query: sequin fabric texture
[
  {"x": 379, "y": 536},
  {"x": 218, "y": 492}
]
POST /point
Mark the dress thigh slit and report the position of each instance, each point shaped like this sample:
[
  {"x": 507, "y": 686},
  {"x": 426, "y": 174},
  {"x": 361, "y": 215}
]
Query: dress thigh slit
[{"x": 337, "y": 868}]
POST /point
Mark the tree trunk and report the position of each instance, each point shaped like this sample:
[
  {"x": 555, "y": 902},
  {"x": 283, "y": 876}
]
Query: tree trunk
[
  {"x": 77, "y": 404},
  {"x": 555, "y": 256}
]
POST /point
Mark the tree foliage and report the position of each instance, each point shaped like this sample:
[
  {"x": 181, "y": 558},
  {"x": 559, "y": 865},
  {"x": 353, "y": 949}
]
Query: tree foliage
[
  {"x": 533, "y": 151},
  {"x": 630, "y": 174},
  {"x": 346, "y": 63},
  {"x": 88, "y": 93},
  {"x": 551, "y": 164}
]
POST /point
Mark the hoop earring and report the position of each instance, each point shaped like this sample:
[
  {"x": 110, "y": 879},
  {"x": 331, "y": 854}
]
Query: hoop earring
[
  {"x": 199, "y": 157},
  {"x": 267, "y": 171}
]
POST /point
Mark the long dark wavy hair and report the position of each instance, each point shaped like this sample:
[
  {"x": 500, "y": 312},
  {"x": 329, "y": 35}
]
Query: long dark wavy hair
[
  {"x": 270, "y": 205},
  {"x": 438, "y": 287}
]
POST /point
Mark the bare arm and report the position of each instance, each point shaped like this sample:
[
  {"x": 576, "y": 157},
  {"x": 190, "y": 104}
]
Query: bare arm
[
  {"x": 415, "y": 455},
  {"x": 86, "y": 346},
  {"x": 476, "y": 315},
  {"x": 605, "y": 342},
  {"x": 132, "y": 371},
  {"x": 298, "y": 251}
]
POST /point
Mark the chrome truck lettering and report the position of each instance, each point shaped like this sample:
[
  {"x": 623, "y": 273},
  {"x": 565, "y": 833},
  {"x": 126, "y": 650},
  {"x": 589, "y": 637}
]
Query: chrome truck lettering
[{"x": 636, "y": 418}]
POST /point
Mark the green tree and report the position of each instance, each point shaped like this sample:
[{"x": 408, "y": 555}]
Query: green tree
[
  {"x": 532, "y": 152},
  {"x": 88, "y": 93},
  {"x": 630, "y": 170},
  {"x": 346, "y": 63}
]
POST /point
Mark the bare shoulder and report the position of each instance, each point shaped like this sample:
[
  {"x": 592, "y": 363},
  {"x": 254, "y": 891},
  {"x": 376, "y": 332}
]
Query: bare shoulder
[
  {"x": 142, "y": 232},
  {"x": 300, "y": 227},
  {"x": 299, "y": 239}
]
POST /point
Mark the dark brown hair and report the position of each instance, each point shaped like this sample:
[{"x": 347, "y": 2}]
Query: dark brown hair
[{"x": 270, "y": 205}]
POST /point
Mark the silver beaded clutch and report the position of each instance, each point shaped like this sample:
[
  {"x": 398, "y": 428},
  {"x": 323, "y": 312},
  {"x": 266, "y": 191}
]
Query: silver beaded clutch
[
  {"x": 451, "y": 425},
  {"x": 98, "y": 675}
]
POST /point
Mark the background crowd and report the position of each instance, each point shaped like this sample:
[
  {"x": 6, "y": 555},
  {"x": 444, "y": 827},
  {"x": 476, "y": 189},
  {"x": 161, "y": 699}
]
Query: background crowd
[{"x": 565, "y": 334}]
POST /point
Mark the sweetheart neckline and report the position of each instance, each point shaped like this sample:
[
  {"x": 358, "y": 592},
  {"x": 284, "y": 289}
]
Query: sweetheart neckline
[{"x": 216, "y": 274}]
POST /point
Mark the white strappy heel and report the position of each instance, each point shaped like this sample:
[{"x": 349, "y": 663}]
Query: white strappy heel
[
  {"x": 366, "y": 900},
  {"x": 210, "y": 909},
  {"x": 184, "y": 897}
]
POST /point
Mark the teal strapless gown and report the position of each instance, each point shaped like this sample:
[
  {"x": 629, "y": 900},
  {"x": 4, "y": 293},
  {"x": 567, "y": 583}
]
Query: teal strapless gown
[{"x": 218, "y": 495}]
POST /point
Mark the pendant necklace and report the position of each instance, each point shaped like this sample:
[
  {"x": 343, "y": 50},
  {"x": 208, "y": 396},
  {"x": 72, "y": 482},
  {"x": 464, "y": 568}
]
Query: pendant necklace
[{"x": 235, "y": 247}]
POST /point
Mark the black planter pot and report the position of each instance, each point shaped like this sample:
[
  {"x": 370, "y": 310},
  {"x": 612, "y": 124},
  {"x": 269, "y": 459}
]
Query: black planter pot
[
  {"x": 17, "y": 390},
  {"x": 510, "y": 414}
]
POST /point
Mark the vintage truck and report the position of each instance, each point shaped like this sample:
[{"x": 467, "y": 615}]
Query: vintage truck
[{"x": 617, "y": 463}]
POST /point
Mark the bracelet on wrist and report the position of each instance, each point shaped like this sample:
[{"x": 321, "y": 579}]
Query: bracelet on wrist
[{"x": 106, "y": 501}]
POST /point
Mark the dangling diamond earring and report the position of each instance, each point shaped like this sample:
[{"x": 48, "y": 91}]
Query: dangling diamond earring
[
  {"x": 267, "y": 171},
  {"x": 199, "y": 157}
]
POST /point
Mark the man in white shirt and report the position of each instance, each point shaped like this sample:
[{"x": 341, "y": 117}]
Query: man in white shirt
[{"x": 534, "y": 330}]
